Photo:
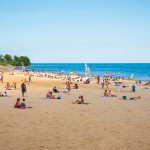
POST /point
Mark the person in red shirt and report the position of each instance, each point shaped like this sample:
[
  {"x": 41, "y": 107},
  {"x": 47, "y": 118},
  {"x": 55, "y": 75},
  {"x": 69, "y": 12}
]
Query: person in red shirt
[{"x": 17, "y": 105}]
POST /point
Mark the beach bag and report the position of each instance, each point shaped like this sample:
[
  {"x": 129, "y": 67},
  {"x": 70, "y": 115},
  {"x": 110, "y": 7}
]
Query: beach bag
[
  {"x": 59, "y": 97},
  {"x": 124, "y": 97}
]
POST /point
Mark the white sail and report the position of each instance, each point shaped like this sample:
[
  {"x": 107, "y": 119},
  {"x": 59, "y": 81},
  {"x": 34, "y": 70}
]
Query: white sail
[
  {"x": 87, "y": 70},
  {"x": 23, "y": 67}
]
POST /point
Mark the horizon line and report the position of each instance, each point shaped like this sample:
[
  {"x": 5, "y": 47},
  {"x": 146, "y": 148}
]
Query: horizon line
[{"x": 90, "y": 62}]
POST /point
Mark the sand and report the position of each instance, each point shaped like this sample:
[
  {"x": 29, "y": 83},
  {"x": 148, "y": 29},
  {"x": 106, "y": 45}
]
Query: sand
[{"x": 103, "y": 124}]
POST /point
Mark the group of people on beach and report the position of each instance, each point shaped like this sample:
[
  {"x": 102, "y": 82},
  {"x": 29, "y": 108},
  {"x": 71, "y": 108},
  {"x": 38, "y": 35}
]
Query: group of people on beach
[
  {"x": 11, "y": 86},
  {"x": 50, "y": 95},
  {"x": 103, "y": 81},
  {"x": 108, "y": 93},
  {"x": 21, "y": 104},
  {"x": 67, "y": 90}
]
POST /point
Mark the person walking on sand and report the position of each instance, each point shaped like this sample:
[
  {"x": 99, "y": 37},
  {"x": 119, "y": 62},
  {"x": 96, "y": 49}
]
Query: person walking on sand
[
  {"x": 23, "y": 88},
  {"x": 30, "y": 79}
]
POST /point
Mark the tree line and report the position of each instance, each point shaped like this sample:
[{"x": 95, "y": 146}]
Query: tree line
[{"x": 14, "y": 61}]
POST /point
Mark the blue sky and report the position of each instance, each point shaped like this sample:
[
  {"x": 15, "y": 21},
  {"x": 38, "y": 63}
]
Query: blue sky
[{"x": 76, "y": 30}]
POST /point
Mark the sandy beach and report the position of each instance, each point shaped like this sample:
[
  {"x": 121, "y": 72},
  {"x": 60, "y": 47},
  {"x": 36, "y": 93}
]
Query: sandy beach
[
  {"x": 105, "y": 123},
  {"x": 74, "y": 75}
]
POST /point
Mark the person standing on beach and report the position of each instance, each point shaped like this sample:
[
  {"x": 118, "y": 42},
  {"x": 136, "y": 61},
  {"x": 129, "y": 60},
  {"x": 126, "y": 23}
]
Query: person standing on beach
[
  {"x": 1, "y": 78},
  {"x": 102, "y": 83},
  {"x": 107, "y": 83},
  {"x": 23, "y": 88},
  {"x": 98, "y": 80},
  {"x": 68, "y": 87},
  {"x": 30, "y": 79}
]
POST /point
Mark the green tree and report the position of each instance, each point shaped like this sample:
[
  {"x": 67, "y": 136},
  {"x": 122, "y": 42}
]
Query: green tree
[
  {"x": 8, "y": 59},
  {"x": 15, "y": 61},
  {"x": 24, "y": 60},
  {"x": 1, "y": 59}
]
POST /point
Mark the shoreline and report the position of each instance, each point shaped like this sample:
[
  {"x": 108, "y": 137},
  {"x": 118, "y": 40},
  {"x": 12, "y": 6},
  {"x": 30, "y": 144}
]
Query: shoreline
[{"x": 80, "y": 73}]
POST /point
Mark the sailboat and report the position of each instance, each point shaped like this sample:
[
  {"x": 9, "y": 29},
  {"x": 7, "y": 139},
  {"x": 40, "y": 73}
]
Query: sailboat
[
  {"x": 23, "y": 67},
  {"x": 87, "y": 70}
]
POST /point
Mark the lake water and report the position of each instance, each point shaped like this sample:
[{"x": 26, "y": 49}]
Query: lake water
[{"x": 140, "y": 71}]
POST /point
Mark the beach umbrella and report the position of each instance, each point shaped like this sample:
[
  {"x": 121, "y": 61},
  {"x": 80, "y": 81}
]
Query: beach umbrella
[{"x": 72, "y": 73}]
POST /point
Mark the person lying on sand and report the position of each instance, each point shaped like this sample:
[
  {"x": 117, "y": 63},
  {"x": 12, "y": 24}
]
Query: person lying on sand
[
  {"x": 147, "y": 84},
  {"x": 3, "y": 94},
  {"x": 55, "y": 90},
  {"x": 135, "y": 98},
  {"x": 80, "y": 101},
  {"x": 11, "y": 73}
]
